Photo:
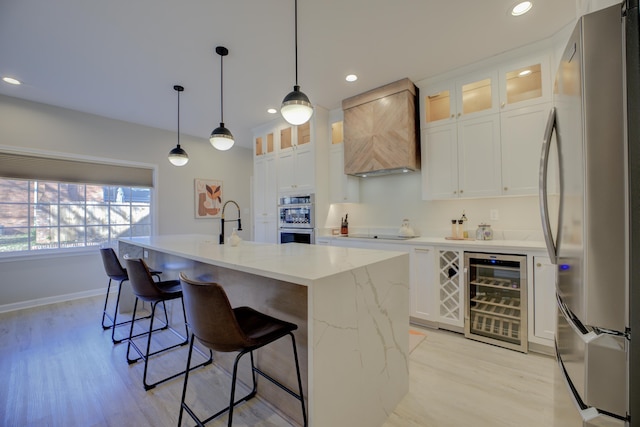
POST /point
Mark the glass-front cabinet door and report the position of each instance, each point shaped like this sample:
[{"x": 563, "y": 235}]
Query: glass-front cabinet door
[
  {"x": 524, "y": 83},
  {"x": 496, "y": 305},
  {"x": 439, "y": 103},
  {"x": 264, "y": 144},
  {"x": 477, "y": 94}
]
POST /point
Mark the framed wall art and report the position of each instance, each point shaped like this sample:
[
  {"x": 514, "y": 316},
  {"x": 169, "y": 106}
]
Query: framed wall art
[{"x": 208, "y": 198}]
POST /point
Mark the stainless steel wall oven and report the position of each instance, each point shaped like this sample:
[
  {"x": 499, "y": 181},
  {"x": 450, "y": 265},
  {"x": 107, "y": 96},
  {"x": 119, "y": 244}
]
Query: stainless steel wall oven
[{"x": 296, "y": 219}]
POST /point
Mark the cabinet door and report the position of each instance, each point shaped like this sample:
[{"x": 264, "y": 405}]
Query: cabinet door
[
  {"x": 304, "y": 168},
  {"x": 259, "y": 187},
  {"x": 440, "y": 162},
  {"x": 265, "y": 230},
  {"x": 522, "y": 133},
  {"x": 438, "y": 103},
  {"x": 477, "y": 95},
  {"x": 424, "y": 298},
  {"x": 286, "y": 171},
  {"x": 342, "y": 188},
  {"x": 544, "y": 298},
  {"x": 479, "y": 160},
  {"x": 525, "y": 82}
]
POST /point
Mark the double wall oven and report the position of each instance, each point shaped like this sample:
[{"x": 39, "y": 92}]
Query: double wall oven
[{"x": 296, "y": 219}]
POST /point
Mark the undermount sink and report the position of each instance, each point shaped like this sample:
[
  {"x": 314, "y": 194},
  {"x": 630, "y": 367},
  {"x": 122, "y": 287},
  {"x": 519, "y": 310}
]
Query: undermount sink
[{"x": 380, "y": 236}]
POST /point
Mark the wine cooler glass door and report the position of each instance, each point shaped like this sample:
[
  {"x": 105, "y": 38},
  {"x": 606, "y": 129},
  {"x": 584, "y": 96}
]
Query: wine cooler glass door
[{"x": 496, "y": 309}]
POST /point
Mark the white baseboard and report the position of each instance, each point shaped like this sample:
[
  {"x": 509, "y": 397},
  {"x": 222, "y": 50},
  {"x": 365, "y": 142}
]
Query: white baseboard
[{"x": 50, "y": 300}]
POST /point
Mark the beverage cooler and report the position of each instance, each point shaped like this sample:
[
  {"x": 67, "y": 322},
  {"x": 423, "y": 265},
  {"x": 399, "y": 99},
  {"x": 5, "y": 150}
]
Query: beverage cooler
[{"x": 496, "y": 299}]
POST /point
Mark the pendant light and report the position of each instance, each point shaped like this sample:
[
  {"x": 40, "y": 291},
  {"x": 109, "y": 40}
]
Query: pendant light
[
  {"x": 177, "y": 156},
  {"x": 221, "y": 138},
  {"x": 296, "y": 108}
]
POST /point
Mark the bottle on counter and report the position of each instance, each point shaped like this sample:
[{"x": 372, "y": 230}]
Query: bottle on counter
[
  {"x": 465, "y": 229},
  {"x": 454, "y": 229},
  {"x": 460, "y": 229}
]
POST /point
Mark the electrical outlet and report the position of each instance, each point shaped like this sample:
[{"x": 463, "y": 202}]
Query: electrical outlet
[
  {"x": 145, "y": 254},
  {"x": 494, "y": 215}
]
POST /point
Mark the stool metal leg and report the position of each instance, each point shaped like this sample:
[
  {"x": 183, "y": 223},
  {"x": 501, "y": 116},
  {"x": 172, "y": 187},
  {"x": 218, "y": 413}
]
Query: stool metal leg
[{"x": 147, "y": 354}]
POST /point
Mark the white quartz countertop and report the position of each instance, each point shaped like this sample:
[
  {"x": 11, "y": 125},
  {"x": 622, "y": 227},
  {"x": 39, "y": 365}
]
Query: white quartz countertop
[
  {"x": 292, "y": 262},
  {"x": 441, "y": 241}
]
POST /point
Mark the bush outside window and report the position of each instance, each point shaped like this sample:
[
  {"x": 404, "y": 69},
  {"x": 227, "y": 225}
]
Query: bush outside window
[{"x": 39, "y": 215}]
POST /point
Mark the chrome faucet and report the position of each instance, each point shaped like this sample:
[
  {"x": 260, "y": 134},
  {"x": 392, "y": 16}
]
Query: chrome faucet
[{"x": 222, "y": 220}]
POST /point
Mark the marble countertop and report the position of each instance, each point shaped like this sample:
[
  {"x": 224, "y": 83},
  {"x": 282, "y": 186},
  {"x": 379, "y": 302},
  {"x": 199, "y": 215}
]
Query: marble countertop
[
  {"x": 466, "y": 244},
  {"x": 291, "y": 262}
]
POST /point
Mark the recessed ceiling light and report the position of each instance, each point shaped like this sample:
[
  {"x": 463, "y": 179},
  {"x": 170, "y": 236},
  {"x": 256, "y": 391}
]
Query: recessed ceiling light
[
  {"x": 351, "y": 78},
  {"x": 521, "y": 8},
  {"x": 524, "y": 73},
  {"x": 11, "y": 80},
  {"x": 272, "y": 111}
]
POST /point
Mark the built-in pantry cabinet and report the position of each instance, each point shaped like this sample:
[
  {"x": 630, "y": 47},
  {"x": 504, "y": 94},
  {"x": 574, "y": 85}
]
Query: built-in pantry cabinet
[
  {"x": 438, "y": 289},
  {"x": 482, "y": 131},
  {"x": 265, "y": 184}
]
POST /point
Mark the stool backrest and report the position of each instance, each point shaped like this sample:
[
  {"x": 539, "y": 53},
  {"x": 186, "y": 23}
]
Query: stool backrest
[
  {"x": 112, "y": 265},
  {"x": 141, "y": 280},
  {"x": 211, "y": 317}
]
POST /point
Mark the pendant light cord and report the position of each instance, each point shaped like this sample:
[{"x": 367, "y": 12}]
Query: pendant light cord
[
  {"x": 178, "y": 118},
  {"x": 296, "y": 37},
  {"x": 221, "y": 90}
]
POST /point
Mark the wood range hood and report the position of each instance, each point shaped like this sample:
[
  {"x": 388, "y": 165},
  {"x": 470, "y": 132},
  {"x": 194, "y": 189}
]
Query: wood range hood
[{"x": 381, "y": 131}]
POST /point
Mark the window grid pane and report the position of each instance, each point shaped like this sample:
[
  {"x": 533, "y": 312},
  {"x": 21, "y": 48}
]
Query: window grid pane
[{"x": 38, "y": 215}]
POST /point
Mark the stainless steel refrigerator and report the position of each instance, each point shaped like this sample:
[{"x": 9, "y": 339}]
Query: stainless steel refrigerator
[{"x": 592, "y": 224}]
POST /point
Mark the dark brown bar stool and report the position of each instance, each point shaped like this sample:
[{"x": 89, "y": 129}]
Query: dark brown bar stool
[
  {"x": 115, "y": 272},
  {"x": 146, "y": 289},
  {"x": 222, "y": 328}
]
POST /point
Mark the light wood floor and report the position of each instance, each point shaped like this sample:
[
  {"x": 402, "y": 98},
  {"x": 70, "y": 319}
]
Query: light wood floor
[{"x": 59, "y": 368}]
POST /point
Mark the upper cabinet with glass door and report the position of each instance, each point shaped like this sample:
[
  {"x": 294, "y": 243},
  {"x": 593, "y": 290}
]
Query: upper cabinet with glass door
[
  {"x": 264, "y": 144},
  {"x": 472, "y": 96},
  {"x": 524, "y": 83}
]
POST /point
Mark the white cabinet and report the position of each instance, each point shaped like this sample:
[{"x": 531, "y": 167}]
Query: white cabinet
[
  {"x": 544, "y": 298},
  {"x": 482, "y": 132},
  {"x": 473, "y": 95},
  {"x": 296, "y": 162},
  {"x": 461, "y": 138},
  {"x": 462, "y": 159},
  {"x": 479, "y": 161},
  {"x": 343, "y": 188},
  {"x": 522, "y": 132},
  {"x": 424, "y": 296}
]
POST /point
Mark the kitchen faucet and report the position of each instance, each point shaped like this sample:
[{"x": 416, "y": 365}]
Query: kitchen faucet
[{"x": 222, "y": 220}]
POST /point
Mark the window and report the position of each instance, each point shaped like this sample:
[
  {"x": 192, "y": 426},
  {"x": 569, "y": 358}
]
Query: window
[{"x": 38, "y": 214}]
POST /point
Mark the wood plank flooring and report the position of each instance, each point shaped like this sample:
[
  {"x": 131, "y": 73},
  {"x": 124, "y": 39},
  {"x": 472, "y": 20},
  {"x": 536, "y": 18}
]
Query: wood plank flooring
[{"x": 59, "y": 368}]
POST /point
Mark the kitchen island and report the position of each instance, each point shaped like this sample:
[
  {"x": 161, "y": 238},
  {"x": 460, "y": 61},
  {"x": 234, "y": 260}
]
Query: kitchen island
[{"x": 351, "y": 307}]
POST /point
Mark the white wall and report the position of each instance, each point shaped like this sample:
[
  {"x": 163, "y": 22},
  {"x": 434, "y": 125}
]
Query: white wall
[{"x": 33, "y": 126}]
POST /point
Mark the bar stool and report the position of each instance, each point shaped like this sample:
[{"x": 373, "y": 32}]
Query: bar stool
[
  {"x": 146, "y": 289},
  {"x": 222, "y": 328},
  {"x": 116, "y": 272}
]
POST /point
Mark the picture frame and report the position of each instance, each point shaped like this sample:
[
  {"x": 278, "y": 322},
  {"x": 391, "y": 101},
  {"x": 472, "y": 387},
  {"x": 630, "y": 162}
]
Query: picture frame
[{"x": 208, "y": 198}]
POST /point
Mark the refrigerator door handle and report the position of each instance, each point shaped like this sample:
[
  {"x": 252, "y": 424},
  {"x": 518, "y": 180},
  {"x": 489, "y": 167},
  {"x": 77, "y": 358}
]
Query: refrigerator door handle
[
  {"x": 580, "y": 331},
  {"x": 544, "y": 204}
]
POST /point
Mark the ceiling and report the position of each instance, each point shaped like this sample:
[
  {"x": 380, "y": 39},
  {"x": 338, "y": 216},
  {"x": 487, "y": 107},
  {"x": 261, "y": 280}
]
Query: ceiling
[{"x": 121, "y": 58}]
